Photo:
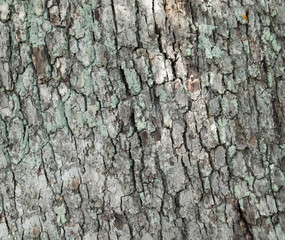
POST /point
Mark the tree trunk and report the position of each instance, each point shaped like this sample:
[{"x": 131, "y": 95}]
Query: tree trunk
[{"x": 142, "y": 119}]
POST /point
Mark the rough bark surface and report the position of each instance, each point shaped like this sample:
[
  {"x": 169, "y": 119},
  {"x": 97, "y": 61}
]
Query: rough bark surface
[{"x": 142, "y": 119}]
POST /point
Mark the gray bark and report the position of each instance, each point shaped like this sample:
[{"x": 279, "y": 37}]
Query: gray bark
[{"x": 142, "y": 119}]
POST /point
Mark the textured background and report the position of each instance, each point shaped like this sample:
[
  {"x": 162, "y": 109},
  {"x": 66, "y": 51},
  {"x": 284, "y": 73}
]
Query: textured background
[{"x": 142, "y": 119}]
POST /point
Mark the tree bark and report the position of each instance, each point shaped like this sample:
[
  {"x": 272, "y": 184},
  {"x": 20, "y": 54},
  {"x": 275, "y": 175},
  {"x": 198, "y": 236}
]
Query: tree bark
[{"x": 142, "y": 119}]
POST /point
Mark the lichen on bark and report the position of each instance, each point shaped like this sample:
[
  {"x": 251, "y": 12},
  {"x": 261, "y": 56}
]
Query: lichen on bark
[{"x": 142, "y": 119}]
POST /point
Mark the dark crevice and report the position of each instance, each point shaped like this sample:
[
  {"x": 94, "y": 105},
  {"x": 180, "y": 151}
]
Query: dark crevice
[
  {"x": 243, "y": 219},
  {"x": 123, "y": 78},
  {"x": 137, "y": 24}
]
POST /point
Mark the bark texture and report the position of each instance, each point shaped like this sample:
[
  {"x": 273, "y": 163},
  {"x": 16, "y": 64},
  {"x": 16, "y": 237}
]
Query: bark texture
[{"x": 142, "y": 119}]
